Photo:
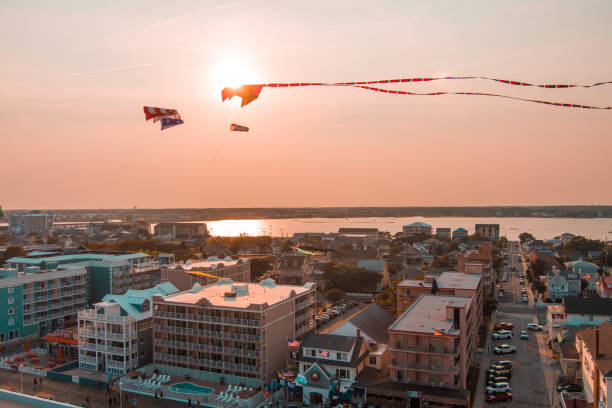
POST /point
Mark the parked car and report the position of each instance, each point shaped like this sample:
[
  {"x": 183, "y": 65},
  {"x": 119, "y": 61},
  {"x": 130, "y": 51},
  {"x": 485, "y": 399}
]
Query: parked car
[
  {"x": 497, "y": 367},
  {"x": 524, "y": 335},
  {"x": 499, "y": 397},
  {"x": 505, "y": 349},
  {"x": 502, "y": 334},
  {"x": 503, "y": 326},
  {"x": 494, "y": 380},
  {"x": 535, "y": 327},
  {"x": 504, "y": 363},
  {"x": 499, "y": 387}
]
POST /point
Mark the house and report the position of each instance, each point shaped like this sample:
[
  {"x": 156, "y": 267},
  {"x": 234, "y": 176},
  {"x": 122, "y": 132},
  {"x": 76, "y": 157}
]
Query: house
[
  {"x": 594, "y": 346},
  {"x": 376, "y": 265},
  {"x": 604, "y": 287},
  {"x": 293, "y": 269},
  {"x": 587, "y": 311},
  {"x": 443, "y": 232},
  {"x": 567, "y": 237},
  {"x": 595, "y": 255},
  {"x": 562, "y": 283},
  {"x": 329, "y": 364},
  {"x": 206, "y": 271},
  {"x": 583, "y": 268},
  {"x": 549, "y": 261}
]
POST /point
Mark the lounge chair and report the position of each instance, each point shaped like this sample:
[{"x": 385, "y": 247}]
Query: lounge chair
[{"x": 153, "y": 376}]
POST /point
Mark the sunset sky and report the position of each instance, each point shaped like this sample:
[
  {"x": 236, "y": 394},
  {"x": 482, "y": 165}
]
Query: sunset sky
[{"x": 74, "y": 76}]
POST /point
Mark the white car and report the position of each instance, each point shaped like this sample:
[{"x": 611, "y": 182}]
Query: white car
[
  {"x": 535, "y": 327},
  {"x": 499, "y": 387},
  {"x": 502, "y": 334},
  {"x": 505, "y": 349}
]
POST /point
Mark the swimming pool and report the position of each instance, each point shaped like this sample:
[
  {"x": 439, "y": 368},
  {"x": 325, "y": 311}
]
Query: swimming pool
[{"x": 190, "y": 388}]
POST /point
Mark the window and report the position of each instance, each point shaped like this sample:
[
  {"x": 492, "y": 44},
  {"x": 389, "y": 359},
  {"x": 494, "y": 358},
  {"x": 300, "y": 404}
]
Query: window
[
  {"x": 11, "y": 300},
  {"x": 373, "y": 360},
  {"x": 313, "y": 353},
  {"x": 142, "y": 354},
  {"x": 11, "y": 322},
  {"x": 142, "y": 340},
  {"x": 11, "y": 311},
  {"x": 11, "y": 289},
  {"x": 342, "y": 373}
]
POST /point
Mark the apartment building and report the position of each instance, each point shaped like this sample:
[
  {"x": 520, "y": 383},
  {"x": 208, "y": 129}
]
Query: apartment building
[
  {"x": 446, "y": 284},
  {"x": 106, "y": 272},
  {"x": 488, "y": 231},
  {"x": 594, "y": 346},
  {"x": 477, "y": 259},
  {"x": 443, "y": 232},
  {"x": 181, "y": 230},
  {"x": 116, "y": 335},
  {"x": 433, "y": 344},
  {"x": 34, "y": 222},
  {"x": 206, "y": 271},
  {"x": 232, "y": 330},
  {"x": 35, "y": 303},
  {"x": 460, "y": 233},
  {"x": 416, "y": 228}
]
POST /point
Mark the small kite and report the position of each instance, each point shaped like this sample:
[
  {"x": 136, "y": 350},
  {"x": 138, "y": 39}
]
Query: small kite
[
  {"x": 306, "y": 252},
  {"x": 238, "y": 128},
  {"x": 168, "y": 117},
  {"x": 250, "y": 92}
]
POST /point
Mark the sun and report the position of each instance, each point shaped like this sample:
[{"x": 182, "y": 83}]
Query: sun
[{"x": 232, "y": 70}]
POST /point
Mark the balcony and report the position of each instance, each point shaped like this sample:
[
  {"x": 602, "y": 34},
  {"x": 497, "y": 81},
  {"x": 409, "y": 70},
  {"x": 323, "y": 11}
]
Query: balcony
[
  {"x": 92, "y": 315},
  {"x": 206, "y": 363},
  {"x": 208, "y": 333},
  {"x": 449, "y": 351},
  {"x": 115, "y": 363},
  {"x": 100, "y": 334},
  {"x": 425, "y": 367},
  {"x": 207, "y": 347},
  {"x": 209, "y": 319},
  {"x": 86, "y": 359}
]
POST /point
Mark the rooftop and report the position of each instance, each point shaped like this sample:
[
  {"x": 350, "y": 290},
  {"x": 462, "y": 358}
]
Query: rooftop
[
  {"x": 211, "y": 263},
  {"x": 78, "y": 258},
  {"x": 132, "y": 299},
  {"x": 428, "y": 312},
  {"x": 41, "y": 276},
  {"x": 245, "y": 294},
  {"x": 372, "y": 265},
  {"x": 452, "y": 280},
  {"x": 588, "y": 306},
  {"x": 373, "y": 322},
  {"x": 604, "y": 359},
  {"x": 418, "y": 224},
  {"x": 329, "y": 342}
]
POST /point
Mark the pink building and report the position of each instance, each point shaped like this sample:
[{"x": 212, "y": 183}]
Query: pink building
[
  {"x": 448, "y": 284},
  {"x": 237, "y": 331},
  {"x": 432, "y": 345},
  {"x": 477, "y": 259}
]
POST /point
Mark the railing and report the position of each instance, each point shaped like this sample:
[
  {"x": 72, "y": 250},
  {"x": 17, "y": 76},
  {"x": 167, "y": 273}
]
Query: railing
[
  {"x": 207, "y": 363},
  {"x": 105, "y": 335},
  {"x": 206, "y": 347},
  {"x": 304, "y": 304},
  {"x": 425, "y": 367},
  {"x": 86, "y": 359},
  {"x": 90, "y": 314},
  {"x": 103, "y": 348},
  {"x": 426, "y": 349},
  {"x": 209, "y": 319},
  {"x": 115, "y": 363},
  {"x": 208, "y": 333}
]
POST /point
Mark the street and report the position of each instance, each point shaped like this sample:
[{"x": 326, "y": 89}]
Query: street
[{"x": 533, "y": 371}]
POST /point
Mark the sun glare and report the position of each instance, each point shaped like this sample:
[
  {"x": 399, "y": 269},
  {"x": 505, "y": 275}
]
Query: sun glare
[{"x": 232, "y": 71}]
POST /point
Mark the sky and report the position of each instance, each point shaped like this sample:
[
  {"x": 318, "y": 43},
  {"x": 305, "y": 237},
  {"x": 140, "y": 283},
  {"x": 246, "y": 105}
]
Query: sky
[{"x": 75, "y": 74}]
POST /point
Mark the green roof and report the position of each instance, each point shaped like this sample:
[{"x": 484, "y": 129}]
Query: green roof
[{"x": 131, "y": 300}]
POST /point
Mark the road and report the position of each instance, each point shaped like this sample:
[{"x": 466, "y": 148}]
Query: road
[{"x": 534, "y": 370}]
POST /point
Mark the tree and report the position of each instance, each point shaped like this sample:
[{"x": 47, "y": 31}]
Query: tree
[
  {"x": 334, "y": 295},
  {"x": 350, "y": 278},
  {"x": 525, "y": 236},
  {"x": 584, "y": 284},
  {"x": 258, "y": 268},
  {"x": 538, "y": 267},
  {"x": 387, "y": 298},
  {"x": 12, "y": 252},
  {"x": 539, "y": 287},
  {"x": 489, "y": 304}
]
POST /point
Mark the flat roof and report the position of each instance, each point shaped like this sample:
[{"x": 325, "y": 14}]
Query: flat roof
[
  {"x": 79, "y": 257},
  {"x": 453, "y": 280},
  {"x": 247, "y": 294},
  {"x": 40, "y": 276},
  {"x": 428, "y": 312},
  {"x": 210, "y": 263}
]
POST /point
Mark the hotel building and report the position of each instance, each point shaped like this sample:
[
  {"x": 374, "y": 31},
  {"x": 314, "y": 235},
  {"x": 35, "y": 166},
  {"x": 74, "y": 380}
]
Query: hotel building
[
  {"x": 35, "y": 303},
  {"x": 184, "y": 276},
  {"x": 237, "y": 331},
  {"x": 116, "y": 336},
  {"x": 34, "y": 222}
]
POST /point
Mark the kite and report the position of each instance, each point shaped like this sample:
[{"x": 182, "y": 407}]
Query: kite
[
  {"x": 439, "y": 332},
  {"x": 238, "y": 128},
  {"x": 204, "y": 274},
  {"x": 168, "y": 117},
  {"x": 250, "y": 92}
]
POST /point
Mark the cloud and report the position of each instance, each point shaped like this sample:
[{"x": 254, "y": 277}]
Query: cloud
[
  {"x": 184, "y": 16},
  {"x": 97, "y": 71}
]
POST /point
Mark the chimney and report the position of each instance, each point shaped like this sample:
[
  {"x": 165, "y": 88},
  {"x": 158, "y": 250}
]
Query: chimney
[
  {"x": 596, "y": 343},
  {"x": 358, "y": 332}
]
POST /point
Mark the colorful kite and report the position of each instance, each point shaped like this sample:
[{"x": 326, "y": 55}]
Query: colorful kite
[
  {"x": 249, "y": 93},
  {"x": 168, "y": 117},
  {"x": 238, "y": 128},
  {"x": 305, "y": 252}
]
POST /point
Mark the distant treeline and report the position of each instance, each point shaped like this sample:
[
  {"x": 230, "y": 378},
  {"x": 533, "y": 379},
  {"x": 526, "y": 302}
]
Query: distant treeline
[{"x": 184, "y": 214}]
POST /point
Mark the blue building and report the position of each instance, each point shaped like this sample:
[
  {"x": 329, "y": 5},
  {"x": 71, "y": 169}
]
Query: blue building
[
  {"x": 116, "y": 336},
  {"x": 33, "y": 303},
  {"x": 106, "y": 273}
]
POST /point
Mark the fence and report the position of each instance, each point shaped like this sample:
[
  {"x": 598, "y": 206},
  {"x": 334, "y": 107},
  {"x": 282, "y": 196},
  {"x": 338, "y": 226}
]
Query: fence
[
  {"x": 32, "y": 401},
  {"x": 208, "y": 376}
]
